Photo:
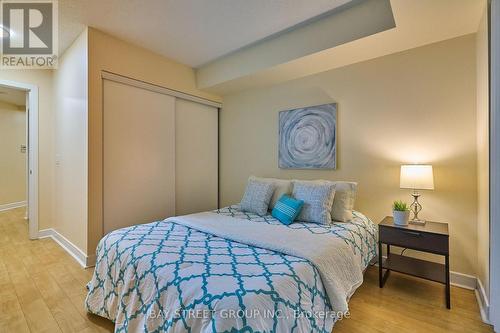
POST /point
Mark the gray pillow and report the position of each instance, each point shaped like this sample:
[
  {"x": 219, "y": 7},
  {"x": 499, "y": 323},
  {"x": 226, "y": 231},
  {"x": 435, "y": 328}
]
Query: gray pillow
[
  {"x": 257, "y": 196},
  {"x": 318, "y": 201},
  {"x": 343, "y": 202},
  {"x": 283, "y": 186}
]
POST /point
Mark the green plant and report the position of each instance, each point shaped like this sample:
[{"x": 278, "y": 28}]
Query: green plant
[{"x": 400, "y": 206}]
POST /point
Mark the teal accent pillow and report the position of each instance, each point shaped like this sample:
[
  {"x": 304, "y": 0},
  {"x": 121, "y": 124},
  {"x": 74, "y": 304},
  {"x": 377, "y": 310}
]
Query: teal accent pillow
[{"x": 287, "y": 209}]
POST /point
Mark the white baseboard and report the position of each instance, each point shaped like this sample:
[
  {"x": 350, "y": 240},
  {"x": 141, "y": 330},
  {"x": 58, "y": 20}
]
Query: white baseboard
[
  {"x": 12, "y": 205},
  {"x": 84, "y": 260},
  {"x": 482, "y": 300},
  {"x": 463, "y": 280},
  {"x": 44, "y": 233}
]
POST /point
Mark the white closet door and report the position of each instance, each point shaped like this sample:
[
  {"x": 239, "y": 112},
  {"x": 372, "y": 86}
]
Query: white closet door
[
  {"x": 196, "y": 157},
  {"x": 139, "y": 156}
]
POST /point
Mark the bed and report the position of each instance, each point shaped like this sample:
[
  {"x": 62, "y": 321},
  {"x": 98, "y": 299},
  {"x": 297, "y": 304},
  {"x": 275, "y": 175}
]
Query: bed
[{"x": 230, "y": 271}]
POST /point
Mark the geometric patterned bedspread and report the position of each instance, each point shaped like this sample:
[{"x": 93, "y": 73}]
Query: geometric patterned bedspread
[
  {"x": 165, "y": 277},
  {"x": 361, "y": 233}
]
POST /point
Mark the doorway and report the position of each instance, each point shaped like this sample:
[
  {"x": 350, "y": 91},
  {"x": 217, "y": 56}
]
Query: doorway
[
  {"x": 13, "y": 149},
  {"x": 19, "y": 162}
]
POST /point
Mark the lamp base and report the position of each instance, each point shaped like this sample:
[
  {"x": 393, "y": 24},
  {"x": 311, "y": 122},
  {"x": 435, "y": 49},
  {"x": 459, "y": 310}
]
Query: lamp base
[{"x": 417, "y": 222}]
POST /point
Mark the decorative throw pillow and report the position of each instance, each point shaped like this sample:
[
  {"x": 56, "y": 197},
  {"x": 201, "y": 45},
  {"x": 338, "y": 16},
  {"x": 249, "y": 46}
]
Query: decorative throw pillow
[
  {"x": 257, "y": 197},
  {"x": 318, "y": 201},
  {"x": 283, "y": 186},
  {"x": 287, "y": 209},
  {"x": 343, "y": 202}
]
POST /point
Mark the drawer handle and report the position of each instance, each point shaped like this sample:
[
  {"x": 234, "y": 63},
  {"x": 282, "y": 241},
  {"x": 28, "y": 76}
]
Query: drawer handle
[{"x": 413, "y": 233}]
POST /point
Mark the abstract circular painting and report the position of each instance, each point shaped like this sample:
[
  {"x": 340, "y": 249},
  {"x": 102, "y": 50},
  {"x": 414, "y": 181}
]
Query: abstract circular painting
[{"x": 307, "y": 137}]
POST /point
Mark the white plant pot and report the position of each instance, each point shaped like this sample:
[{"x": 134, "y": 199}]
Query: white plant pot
[{"x": 401, "y": 217}]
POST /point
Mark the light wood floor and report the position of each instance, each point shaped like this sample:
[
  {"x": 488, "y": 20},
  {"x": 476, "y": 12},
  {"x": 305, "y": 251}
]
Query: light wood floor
[{"x": 42, "y": 289}]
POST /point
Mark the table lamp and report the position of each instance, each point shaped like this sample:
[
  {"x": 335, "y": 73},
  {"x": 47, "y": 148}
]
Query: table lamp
[{"x": 416, "y": 177}]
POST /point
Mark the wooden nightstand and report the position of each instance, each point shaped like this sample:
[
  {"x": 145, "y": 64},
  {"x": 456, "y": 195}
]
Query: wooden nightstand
[{"x": 432, "y": 237}]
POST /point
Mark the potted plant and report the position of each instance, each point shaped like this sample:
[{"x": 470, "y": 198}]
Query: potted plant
[{"x": 400, "y": 212}]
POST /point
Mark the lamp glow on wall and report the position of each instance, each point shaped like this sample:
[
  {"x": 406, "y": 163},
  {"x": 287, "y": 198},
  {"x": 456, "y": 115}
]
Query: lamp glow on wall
[{"x": 416, "y": 177}]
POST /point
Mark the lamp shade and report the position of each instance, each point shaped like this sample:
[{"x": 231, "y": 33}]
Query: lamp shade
[{"x": 417, "y": 177}]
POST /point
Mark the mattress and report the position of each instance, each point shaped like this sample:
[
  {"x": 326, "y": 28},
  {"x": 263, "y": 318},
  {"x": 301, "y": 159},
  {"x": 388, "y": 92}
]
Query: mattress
[{"x": 166, "y": 277}]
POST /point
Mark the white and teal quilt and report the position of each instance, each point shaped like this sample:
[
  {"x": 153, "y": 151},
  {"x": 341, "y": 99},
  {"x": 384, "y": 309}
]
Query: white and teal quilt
[{"x": 173, "y": 276}]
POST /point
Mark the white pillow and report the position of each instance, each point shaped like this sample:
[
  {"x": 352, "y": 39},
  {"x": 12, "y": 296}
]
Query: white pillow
[
  {"x": 343, "y": 202},
  {"x": 282, "y": 186}
]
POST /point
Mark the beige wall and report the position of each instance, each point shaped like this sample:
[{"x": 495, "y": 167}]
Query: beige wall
[
  {"x": 111, "y": 54},
  {"x": 12, "y": 160},
  {"x": 70, "y": 87},
  {"x": 43, "y": 80},
  {"x": 483, "y": 226},
  {"x": 414, "y": 106}
]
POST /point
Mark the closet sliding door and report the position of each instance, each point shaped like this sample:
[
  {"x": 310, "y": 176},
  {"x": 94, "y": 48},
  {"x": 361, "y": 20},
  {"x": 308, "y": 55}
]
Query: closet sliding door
[
  {"x": 139, "y": 155},
  {"x": 196, "y": 157}
]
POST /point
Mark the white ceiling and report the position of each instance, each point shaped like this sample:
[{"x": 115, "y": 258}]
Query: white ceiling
[
  {"x": 214, "y": 36},
  {"x": 193, "y": 32},
  {"x": 12, "y": 96},
  {"x": 418, "y": 23}
]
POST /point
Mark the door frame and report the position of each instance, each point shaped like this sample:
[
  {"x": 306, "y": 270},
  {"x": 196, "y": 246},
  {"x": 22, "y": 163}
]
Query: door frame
[
  {"x": 494, "y": 313},
  {"x": 32, "y": 144}
]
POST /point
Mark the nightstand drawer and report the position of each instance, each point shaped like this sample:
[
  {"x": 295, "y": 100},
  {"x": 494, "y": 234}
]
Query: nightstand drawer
[{"x": 413, "y": 239}]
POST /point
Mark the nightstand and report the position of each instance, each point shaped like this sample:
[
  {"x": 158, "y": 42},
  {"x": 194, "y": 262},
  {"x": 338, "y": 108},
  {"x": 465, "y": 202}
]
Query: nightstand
[{"x": 432, "y": 237}]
